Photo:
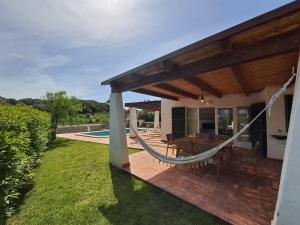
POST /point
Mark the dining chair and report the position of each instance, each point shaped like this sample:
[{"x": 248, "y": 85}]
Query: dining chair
[
  {"x": 170, "y": 143},
  {"x": 248, "y": 156},
  {"x": 201, "y": 135},
  {"x": 223, "y": 137}
]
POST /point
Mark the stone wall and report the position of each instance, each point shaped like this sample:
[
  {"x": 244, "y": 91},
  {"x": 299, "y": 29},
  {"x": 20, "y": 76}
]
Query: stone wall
[{"x": 79, "y": 128}]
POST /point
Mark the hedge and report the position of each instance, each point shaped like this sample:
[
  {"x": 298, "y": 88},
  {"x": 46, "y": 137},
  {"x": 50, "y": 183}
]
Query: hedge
[{"x": 24, "y": 135}]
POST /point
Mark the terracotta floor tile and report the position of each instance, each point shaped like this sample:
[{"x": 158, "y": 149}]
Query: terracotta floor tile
[{"x": 238, "y": 198}]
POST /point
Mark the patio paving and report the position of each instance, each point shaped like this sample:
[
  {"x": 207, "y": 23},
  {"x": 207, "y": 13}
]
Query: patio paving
[{"x": 238, "y": 198}]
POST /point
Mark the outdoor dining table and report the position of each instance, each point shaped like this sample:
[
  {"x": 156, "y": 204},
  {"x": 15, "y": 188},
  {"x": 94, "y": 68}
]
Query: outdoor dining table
[{"x": 206, "y": 144}]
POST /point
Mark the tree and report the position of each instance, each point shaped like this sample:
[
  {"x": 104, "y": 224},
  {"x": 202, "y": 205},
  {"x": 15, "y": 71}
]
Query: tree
[
  {"x": 61, "y": 106},
  {"x": 146, "y": 115}
]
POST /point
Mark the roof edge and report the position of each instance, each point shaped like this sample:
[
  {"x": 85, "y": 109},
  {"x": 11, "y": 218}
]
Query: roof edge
[{"x": 258, "y": 20}]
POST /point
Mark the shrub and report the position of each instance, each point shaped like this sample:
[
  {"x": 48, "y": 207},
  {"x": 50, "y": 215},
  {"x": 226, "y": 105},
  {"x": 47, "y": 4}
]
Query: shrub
[
  {"x": 102, "y": 118},
  {"x": 24, "y": 135}
]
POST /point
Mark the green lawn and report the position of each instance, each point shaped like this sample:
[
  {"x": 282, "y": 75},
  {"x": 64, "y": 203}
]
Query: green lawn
[{"x": 75, "y": 185}]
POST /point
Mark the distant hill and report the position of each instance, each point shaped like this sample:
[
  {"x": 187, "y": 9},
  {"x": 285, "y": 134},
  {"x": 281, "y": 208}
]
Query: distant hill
[{"x": 89, "y": 106}]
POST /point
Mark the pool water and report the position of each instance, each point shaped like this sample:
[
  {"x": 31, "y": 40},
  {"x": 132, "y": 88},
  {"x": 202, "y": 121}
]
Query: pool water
[{"x": 106, "y": 133}]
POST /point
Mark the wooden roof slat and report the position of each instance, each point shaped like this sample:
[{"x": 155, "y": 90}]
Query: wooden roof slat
[
  {"x": 241, "y": 79},
  {"x": 203, "y": 85},
  {"x": 154, "y": 93},
  {"x": 148, "y": 105},
  {"x": 279, "y": 45},
  {"x": 176, "y": 90},
  {"x": 255, "y": 22}
]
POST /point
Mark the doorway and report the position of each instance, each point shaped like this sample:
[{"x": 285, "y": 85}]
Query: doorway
[
  {"x": 178, "y": 122},
  {"x": 258, "y": 129}
]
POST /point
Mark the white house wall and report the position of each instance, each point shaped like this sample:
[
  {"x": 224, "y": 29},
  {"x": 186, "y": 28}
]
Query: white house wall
[{"x": 275, "y": 122}]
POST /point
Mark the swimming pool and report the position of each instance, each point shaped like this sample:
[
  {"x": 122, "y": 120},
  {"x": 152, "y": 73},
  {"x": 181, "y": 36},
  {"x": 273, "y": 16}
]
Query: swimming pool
[{"x": 105, "y": 133}]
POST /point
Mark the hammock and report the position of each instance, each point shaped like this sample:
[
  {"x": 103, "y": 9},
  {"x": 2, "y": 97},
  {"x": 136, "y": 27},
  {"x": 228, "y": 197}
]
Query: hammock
[{"x": 206, "y": 157}]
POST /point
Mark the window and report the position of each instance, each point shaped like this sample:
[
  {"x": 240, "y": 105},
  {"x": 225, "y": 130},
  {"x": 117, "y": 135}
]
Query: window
[
  {"x": 243, "y": 119},
  {"x": 225, "y": 121},
  {"x": 207, "y": 120}
]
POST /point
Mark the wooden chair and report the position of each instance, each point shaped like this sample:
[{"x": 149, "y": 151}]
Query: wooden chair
[
  {"x": 170, "y": 143},
  {"x": 223, "y": 137},
  {"x": 212, "y": 136},
  {"x": 185, "y": 149},
  {"x": 252, "y": 155},
  {"x": 248, "y": 157},
  {"x": 201, "y": 135}
]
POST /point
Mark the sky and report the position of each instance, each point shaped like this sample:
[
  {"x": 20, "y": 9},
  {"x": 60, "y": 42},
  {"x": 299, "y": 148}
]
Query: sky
[{"x": 73, "y": 45}]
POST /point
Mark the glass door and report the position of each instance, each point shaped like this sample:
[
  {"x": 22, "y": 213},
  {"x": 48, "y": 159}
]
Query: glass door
[
  {"x": 207, "y": 120},
  {"x": 225, "y": 121},
  {"x": 178, "y": 122},
  {"x": 192, "y": 122},
  {"x": 243, "y": 116}
]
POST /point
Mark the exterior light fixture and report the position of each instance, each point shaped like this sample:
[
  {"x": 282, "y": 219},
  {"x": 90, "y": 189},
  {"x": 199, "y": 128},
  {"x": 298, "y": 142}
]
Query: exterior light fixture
[{"x": 202, "y": 98}]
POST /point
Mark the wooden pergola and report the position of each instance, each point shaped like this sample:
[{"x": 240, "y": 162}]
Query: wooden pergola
[
  {"x": 242, "y": 59},
  {"x": 147, "y": 105},
  {"x": 154, "y": 106}
]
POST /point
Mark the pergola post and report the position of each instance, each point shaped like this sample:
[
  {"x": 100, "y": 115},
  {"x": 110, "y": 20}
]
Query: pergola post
[
  {"x": 118, "y": 152},
  {"x": 133, "y": 122},
  {"x": 235, "y": 120},
  {"x": 156, "y": 120},
  {"x": 288, "y": 201}
]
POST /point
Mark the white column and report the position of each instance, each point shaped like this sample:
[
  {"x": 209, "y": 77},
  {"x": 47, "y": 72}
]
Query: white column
[
  {"x": 156, "y": 120},
  {"x": 234, "y": 118},
  {"x": 118, "y": 152},
  {"x": 133, "y": 122},
  {"x": 216, "y": 121},
  {"x": 288, "y": 201}
]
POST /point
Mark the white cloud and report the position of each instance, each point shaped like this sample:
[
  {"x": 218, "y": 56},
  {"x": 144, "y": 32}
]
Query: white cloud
[
  {"x": 78, "y": 22},
  {"x": 28, "y": 86},
  {"x": 72, "y": 45},
  {"x": 35, "y": 37}
]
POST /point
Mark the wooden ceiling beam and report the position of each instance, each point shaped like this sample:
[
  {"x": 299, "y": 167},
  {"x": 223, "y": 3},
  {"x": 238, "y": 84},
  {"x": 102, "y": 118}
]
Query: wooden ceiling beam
[
  {"x": 154, "y": 93},
  {"x": 241, "y": 79},
  {"x": 203, "y": 85},
  {"x": 176, "y": 90},
  {"x": 267, "y": 48}
]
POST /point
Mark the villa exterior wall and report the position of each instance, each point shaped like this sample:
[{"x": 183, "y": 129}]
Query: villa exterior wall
[{"x": 275, "y": 121}]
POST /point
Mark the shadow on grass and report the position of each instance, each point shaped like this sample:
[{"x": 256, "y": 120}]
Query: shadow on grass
[
  {"x": 59, "y": 142},
  {"x": 129, "y": 206},
  {"x": 140, "y": 203}
]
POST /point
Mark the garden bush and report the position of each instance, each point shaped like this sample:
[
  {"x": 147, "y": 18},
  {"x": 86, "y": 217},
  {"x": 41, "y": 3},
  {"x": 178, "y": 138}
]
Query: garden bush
[{"x": 24, "y": 135}]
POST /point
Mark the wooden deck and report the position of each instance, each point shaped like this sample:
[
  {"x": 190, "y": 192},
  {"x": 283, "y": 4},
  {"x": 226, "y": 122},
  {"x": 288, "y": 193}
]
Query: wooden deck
[{"x": 240, "y": 197}]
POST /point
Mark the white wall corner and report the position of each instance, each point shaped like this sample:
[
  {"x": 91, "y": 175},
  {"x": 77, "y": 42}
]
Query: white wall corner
[{"x": 288, "y": 201}]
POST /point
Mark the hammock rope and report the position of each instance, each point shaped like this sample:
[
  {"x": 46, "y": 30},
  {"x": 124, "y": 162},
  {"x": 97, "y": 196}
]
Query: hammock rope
[{"x": 206, "y": 157}]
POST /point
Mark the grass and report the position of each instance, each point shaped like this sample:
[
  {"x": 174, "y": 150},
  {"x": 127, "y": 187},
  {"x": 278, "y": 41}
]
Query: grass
[{"x": 76, "y": 185}]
